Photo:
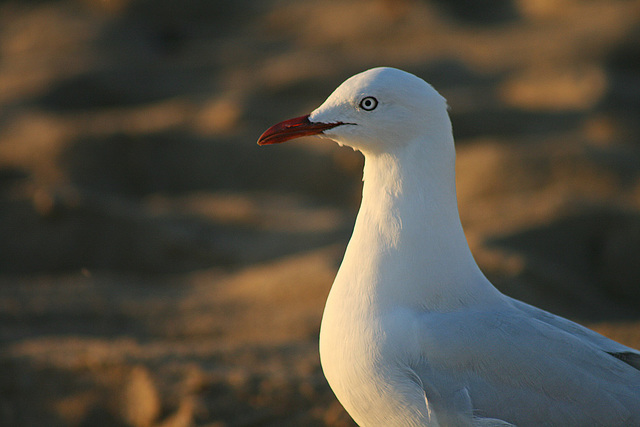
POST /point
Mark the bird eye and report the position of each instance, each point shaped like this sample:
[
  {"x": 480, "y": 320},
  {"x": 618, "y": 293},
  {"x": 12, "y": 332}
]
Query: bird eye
[{"x": 369, "y": 103}]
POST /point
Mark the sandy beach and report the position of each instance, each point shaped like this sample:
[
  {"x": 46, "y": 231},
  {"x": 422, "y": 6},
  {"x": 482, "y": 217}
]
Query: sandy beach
[{"x": 159, "y": 269}]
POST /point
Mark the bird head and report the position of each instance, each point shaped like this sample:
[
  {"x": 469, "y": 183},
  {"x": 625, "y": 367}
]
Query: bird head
[{"x": 378, "y": 110}]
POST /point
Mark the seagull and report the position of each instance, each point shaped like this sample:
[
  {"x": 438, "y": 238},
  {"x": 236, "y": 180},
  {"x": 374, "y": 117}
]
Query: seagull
[{"x": 413, "y": 333}]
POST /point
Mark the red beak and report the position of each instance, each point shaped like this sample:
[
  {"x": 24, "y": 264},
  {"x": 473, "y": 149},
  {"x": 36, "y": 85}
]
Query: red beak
[{"x": 293, "y": 128}]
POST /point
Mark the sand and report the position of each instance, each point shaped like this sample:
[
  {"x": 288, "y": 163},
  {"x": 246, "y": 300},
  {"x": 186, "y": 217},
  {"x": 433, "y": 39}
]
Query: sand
[{"x": 158, "y": 268}]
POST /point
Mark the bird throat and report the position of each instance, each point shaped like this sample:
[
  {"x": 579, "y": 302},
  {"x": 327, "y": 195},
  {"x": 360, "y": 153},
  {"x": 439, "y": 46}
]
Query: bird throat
[{"x": 409, "y": 198}]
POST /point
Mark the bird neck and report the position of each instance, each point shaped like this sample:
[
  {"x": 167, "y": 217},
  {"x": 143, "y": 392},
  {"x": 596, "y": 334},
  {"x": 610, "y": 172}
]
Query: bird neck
[{"x": 408, "y": 246}]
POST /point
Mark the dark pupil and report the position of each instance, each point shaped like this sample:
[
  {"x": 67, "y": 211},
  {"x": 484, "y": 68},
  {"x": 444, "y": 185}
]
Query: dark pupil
[{"x": 367, "y": 103}]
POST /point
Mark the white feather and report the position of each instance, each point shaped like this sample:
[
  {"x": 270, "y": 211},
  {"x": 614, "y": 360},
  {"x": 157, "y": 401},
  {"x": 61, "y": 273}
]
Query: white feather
[{"x": 413, "y": 334}]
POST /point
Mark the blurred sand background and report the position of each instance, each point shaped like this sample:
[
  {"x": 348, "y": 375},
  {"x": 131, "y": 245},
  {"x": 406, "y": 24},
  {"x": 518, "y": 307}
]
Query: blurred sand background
[{"x": 158, "y": 268}]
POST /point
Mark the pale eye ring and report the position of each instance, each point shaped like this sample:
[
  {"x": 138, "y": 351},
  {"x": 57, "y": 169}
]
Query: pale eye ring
[{"x": 369, "y": 103}]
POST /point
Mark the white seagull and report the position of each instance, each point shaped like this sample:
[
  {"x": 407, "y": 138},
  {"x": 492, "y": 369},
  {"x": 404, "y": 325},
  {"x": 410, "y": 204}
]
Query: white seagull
[{"x": 413, "y": 334}]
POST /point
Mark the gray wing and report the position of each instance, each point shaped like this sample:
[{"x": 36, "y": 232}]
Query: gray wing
[
  {"x": 622, "y": 352},
  {"x": 515, "y": 367}
]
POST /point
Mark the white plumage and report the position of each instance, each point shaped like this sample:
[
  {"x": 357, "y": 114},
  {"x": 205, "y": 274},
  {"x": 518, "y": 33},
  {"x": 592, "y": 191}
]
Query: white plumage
[{"x": 413, "y": 334}]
